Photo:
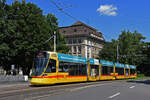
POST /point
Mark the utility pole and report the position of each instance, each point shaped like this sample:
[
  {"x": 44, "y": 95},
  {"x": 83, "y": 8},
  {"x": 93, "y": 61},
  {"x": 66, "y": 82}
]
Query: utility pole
[
  {"x": 54, "y": 41},
  {"x": 117, "y": 53},
  {"x": 54, "y": 36}
]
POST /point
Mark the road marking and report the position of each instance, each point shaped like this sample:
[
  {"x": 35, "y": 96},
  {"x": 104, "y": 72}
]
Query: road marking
[
  {"x": 131, "y": 87},
  {"x": 26, "y": 89},
  {"x": 75, "y": 89},
  {"x": 29, "y": 88},
  {"x": 79, "y": 88},
  {"x": 114, "y": 95}
]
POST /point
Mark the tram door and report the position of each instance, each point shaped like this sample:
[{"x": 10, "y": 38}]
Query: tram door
[
  {"x": 127, "y": 72},
  {"x": 94, "y": 72}
]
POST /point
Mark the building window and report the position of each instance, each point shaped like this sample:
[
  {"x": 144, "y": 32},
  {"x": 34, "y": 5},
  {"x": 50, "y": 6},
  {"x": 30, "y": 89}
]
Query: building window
[
  {"x": 75, "y": 30},
  {"x": 74, "y": 48},
  {"x": 79, "y": 49},
  {"x": 89, "y": 42},
  {"x": 79, "y": 41},
  {"x": 69, "y": 41},
  {"x": 64, "y": 31},
  {"x": 74, "y": 41},
  {"x": 70, "y": 49}
]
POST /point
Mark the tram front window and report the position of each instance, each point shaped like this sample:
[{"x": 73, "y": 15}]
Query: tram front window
[
  {"x": 39, "y": 66},
  {"x": 51, "y": 68},
  {"x": 40, "y": 63}
]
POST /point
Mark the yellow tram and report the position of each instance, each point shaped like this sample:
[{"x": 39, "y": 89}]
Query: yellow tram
[{"x": 52, "y": 67}]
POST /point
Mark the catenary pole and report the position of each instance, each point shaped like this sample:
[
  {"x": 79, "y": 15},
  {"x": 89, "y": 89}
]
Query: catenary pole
[
  {"x": 54, "y": 41},
  {"x": 117, "y": 53}
]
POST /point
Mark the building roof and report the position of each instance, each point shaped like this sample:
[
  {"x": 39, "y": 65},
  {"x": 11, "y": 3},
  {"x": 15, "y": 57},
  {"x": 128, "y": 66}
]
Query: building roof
[
  {"x": 81, "y": 23},
  {"x": 64, "y": 30}
]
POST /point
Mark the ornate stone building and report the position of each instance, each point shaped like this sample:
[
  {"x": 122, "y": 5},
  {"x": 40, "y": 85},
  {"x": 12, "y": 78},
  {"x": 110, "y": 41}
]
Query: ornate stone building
[{"x": 83, "y": 40}]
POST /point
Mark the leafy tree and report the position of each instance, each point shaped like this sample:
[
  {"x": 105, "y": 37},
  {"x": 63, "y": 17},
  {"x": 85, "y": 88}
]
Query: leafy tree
[
  {"x": 131, "y": 49},
  {"x": 109, "y": 51},
  {"x": 24, "y": 30},
  {"x": 4, "y": 48}
]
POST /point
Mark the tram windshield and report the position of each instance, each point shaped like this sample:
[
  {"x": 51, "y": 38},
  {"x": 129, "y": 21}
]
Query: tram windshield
[{"x": 40, "y": 63}]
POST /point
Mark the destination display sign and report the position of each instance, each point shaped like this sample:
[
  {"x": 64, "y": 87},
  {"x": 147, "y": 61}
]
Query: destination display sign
[
  {"x": 94, "y": 61},
  {"x": 119, "y": 65},
  {"x": 106, "y": 63},
  {"x": 132, "y": 66},
  {"x": 126, "y": 66},
  {"x": 70, "y": 58}
]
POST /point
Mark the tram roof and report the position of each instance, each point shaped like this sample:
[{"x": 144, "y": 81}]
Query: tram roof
[{"x": 70, "y": 58}]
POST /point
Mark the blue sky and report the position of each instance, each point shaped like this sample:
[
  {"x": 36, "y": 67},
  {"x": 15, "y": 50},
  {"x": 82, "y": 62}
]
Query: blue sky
[{"x": 108, "y": 16}]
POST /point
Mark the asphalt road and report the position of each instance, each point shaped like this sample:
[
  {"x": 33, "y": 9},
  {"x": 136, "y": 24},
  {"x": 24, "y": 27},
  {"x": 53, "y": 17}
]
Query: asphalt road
[
  {"x": 101, "y": 90},
  {"x": 139, "y": 90}
]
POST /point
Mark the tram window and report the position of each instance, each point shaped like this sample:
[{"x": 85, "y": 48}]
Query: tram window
[
  {"x": 77, "y": 69},
  {"x": 74, "y": 69},
  {"x": 66, "y": 67},
  {"x": 132, "y": 71},
  {"x": 120, "y": 71},
  {"x": 110, "y": 70},
  {"x": 82, "y": 69},
  {"x": 63, "y": 67},
  {"x": 107, "y": 70},
  {"x": 51, "y": 68}
]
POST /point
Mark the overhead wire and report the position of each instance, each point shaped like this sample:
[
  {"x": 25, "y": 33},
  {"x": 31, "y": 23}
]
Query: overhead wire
[
  {"x": 61, "y": 9},
  {"x": 69, "y": 15}
]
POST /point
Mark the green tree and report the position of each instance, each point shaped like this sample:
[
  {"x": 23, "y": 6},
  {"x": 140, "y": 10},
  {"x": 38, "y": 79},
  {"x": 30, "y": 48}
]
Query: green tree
[
  {"x": 109, "y": 51},
  {"x": 5, "y": 51},
  {"x": 24, "y": 32},
  {"x": 131, "y": 49}
]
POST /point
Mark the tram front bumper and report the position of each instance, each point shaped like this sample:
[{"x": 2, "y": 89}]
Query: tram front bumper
[{"x": 41, "y": 81}]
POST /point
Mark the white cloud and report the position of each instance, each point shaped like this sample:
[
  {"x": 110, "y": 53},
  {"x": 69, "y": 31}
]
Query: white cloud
[{"x": 108, "y": 10}]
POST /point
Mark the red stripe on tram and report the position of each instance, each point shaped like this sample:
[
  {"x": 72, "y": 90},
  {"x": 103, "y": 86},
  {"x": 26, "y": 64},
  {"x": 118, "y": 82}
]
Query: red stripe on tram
[
  {"x": 107, "y": 75},
  {"x": 120, "y": 75},
  {"x": 76, "y": 76},
  {"x": 44, "y": 77},
  {"x": 57, "y": 76}
]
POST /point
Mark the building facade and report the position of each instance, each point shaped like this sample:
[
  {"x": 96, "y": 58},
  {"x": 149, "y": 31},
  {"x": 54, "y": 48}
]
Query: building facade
[{"x": 83, "y": 40}]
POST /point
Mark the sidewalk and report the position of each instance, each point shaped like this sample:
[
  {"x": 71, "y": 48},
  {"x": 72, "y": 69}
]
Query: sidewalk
[
  {"x": 9, "y": 80},
  {"x": 11, "y": 84}
]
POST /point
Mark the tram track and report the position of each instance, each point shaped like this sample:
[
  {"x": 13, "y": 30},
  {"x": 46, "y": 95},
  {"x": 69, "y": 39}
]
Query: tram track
[{"x": 28, "y": 92}]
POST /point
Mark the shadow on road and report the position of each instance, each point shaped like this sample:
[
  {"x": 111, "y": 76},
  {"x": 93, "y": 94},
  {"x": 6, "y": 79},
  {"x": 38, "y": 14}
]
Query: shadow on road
[
  {"x": 81, "y": 83},
  {"x": 57, "y": 84},
  {"x": 147, "y": 82}
]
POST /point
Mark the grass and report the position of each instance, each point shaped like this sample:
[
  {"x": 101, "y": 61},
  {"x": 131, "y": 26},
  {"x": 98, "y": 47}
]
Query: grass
[{"x": 141, "y": 77}]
